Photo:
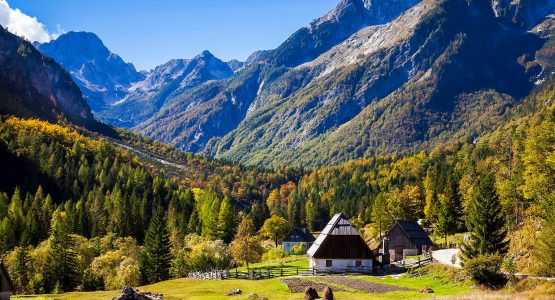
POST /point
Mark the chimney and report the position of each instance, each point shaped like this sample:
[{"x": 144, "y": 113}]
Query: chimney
[{"x": 385, "y": 251}]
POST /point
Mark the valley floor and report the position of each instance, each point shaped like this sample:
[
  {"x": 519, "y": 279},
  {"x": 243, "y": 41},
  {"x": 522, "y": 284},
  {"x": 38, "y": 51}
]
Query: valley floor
[{"x": 442, "y": 280}]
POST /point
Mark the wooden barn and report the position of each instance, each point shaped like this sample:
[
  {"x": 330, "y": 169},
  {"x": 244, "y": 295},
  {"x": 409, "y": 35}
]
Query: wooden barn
[
  {"x": 6, "y": 286},
  {"x": 405, "y": 238},
  {"x": 296, "y": 237},
  {"x": 340, "y": 247}
]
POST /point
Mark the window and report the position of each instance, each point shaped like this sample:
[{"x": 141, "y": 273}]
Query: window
[
  {"x": 358, "y": 263},
  {"x": 328, "y": 263}
]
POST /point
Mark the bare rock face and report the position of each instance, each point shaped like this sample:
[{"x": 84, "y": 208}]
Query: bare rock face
[
  {"x": 311, "y": 294},
  {"x": 33, "y": 85}
]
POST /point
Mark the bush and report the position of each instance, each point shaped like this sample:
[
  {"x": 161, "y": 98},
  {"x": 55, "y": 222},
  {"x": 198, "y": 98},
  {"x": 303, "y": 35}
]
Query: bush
[
  {"x": 200, "y": 255},
  {"x": 299, "y": 249},
  {"x": 485, "y": 270},
  {"x": 274, "y": 254}
]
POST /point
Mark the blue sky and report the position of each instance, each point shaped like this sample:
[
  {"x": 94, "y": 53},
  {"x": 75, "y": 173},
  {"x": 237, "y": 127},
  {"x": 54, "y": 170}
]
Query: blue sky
[{"x": 148, "y": 33}]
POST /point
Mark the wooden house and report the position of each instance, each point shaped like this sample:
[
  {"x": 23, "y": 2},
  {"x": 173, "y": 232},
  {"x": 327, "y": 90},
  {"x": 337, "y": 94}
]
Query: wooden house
[
  {"x": 405, "y": 238},
  {"x": 339, "y": 247},
  {"x": 6, "y": 286},
  {"x": 296, "y": 237}
]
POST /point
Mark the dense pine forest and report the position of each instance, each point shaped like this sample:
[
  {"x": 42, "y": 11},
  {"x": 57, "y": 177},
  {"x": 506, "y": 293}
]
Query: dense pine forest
[{"x": 79, "y": 212}]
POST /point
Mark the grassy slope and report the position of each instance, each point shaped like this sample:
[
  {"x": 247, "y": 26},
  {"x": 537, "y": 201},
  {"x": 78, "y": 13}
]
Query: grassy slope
[{"x": 275, "y": 289}]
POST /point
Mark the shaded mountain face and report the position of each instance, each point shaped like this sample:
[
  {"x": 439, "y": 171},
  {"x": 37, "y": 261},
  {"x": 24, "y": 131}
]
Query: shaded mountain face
[
  {"x": 163, "y": 84},
  {"x": 439, "y": 71},
  {"x": 103, "y": 76},
  {"x": 33, "y": 85}
]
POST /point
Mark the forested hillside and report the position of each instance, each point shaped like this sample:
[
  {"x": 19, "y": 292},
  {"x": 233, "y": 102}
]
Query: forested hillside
[{"x": 110, "y": 210}]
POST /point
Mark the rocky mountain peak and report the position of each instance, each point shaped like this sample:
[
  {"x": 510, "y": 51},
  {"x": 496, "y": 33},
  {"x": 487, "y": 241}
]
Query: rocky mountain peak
[{"x": 103, "y": 77}]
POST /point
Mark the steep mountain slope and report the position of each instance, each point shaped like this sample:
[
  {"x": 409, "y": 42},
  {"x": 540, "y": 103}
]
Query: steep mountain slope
[
  {"x": 209, "y": 111},
  {"x": 32, "y": 85},
  {"x": 164, "y": 83},
  {"x": 102, "y": 75},
  {"x": 441, "y": 71},
  {"x": 444, "y": 70}
]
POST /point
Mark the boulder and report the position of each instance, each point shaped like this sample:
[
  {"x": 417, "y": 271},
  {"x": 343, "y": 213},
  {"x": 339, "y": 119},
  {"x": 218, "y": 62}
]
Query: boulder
[
  {"x": 128, "y": 293},
  {"x": 235, "y": 292},
  {"x": 426, "y": 290}
]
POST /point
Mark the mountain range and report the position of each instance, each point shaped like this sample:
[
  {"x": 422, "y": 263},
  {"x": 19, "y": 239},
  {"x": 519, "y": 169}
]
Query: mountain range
[{"x": 370, "y": 77}]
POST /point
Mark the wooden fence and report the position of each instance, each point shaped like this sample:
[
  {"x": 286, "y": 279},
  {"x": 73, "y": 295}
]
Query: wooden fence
[{"x": 284, "y": 271}]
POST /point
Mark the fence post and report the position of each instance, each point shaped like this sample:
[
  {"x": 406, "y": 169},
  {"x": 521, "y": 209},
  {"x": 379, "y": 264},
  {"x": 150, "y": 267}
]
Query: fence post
[
  {"x": 313, "y": 270},
  {"x": 419, "y": 261},
  {"x": 281, "y": 272},
  {"x": 297, "y": 271}
]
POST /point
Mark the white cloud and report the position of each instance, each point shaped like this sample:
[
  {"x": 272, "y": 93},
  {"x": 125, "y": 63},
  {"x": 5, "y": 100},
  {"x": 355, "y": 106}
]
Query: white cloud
[{"x": 23, "y": 25}]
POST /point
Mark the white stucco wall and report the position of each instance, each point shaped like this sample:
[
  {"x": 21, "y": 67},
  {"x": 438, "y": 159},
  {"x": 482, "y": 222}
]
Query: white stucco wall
[{"x": 340, "y": 264}]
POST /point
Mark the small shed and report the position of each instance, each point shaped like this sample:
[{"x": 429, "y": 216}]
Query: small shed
[
  {"x": 296, "y": 237},
  {"x": 405, "y": 238},
  {"x": 6, "y": 286},
  {"x": 339, "y": 247}
]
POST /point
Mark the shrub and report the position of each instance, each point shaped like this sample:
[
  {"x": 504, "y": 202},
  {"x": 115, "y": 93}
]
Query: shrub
[
  {"x": 274, "y": 254},
  {"x": 485, "y": 270},
  {"x": 299, "y": 249}
]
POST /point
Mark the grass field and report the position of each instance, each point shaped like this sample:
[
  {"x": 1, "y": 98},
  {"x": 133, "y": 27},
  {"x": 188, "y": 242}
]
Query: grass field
[
  {"x": 274, "y": 289},
  {"x": 437, "y": 279}
]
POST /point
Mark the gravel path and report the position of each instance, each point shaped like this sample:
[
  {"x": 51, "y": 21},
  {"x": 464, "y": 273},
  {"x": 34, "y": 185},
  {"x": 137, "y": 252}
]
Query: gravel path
[{"x": 367, "y": 286}]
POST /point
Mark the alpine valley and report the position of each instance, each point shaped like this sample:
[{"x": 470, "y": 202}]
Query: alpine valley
[
  {"x": 370, "y": 77},
  {"x": 413, "y": 131}
]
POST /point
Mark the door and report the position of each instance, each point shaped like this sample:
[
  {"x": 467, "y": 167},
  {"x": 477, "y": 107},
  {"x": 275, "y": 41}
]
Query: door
[{"x": 398, "y": 254}]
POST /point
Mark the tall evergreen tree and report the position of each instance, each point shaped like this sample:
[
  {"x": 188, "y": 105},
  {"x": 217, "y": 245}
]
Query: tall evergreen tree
[
  {"x": 485, "y": 221},
  {"x": 156, "y": 256},
  {"x": 225, "y": 221},
  {"x": 62, "y": 261},
  {"x": 449, "y": 210},
  {"x": 20, "y": 271}
]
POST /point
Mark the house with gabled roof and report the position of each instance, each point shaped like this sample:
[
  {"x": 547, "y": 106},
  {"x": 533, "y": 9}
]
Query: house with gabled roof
[
  {"x": 339, "y": 248},
  {"x": 6, "y": 286},
  {"x": 298, "y": 236},
  {"x": 406, "y": 238}
]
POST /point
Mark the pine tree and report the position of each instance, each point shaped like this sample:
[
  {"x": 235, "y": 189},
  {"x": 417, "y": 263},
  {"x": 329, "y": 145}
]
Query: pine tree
[
  {"x": 156, "y": 256},
  {"x": 225, "y": 221},
  {"x": 20, "y": 271},
  {"x": 449, "y": 210},
  {"x": 485, "y": 221},
  {"x": 194, "y": 225},
  {"x": 61, "y": 267}
]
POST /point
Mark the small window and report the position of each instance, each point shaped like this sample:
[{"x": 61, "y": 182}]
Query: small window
[
  {"x": 358, "y": 263},
  {"x": 328, "y": 263}
]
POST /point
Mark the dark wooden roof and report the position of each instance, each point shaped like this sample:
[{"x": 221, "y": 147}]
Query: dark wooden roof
[
  {"x": 3, "y": 270},
  {"x": 339, "y": 239},
  {"x": 415, "y": 233},
  {"x": 298, "y": 235}
]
